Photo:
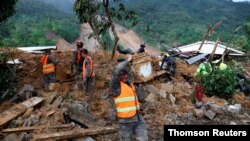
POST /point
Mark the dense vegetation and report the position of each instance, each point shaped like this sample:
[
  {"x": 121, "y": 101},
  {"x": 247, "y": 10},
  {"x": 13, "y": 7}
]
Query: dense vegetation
[
  {"x": 177, "y": 22},
  {"x": 38, "y": 23},
  {"x": 7, "y": 8},
  {"x": 168, "y": 22},
  {"x": 221, "y": 83}
]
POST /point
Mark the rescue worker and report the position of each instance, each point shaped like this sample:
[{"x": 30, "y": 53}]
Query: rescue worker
[
  {"x": 141, "y": 49},
  {"x": 204, "y": 69},
  {"x": 88, "y": 74},
  {"x": 124, "y": 94},
  {"x": 49, "y": 68},
  {"x": 171, "y": 65},
  {"x": 77, "y": 62}
]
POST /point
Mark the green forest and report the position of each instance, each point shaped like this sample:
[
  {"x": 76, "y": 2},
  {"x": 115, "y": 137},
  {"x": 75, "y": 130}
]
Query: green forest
[
  {"x": 160, "y": 22},
  {"x": 38, "y": 23},
  {"x": 178, "y": 22}
]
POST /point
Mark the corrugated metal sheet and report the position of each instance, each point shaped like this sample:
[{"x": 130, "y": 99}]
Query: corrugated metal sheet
[
  {"x": 36, "y": 49},
  {"x": 207, "y": 48},
  {"x": 196, "y": 58}
]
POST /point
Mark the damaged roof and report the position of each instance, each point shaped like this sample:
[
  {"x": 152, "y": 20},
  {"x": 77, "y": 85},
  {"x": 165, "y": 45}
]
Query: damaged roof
[
  {"x": 36, "y": 49},
  {"x": 207, "y": 48}
]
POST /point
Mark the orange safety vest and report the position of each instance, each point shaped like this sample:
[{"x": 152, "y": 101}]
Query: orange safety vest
[
  {"x": 78, "y": 57},
  {"x": 126, "y": 103},
  {"x": 84, "y": 69},
  {"x": 47, "y": 68}
]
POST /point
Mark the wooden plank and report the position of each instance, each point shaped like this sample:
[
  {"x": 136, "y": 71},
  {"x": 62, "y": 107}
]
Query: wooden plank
[
  {"x": 75, "y": 133},
  {"x": 17, "y": 110},
  {"x": 57, "y": 102},
  {"x": 32, "y": 102},
  {"x": 51, "y": 98},
  {"x": 25, "y": 129}
]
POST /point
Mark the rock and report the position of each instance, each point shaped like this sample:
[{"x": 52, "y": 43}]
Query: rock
[
  {"x": 84, "y": 139},
  {"x": 151, "y": 98},
  {"x": 198, "y": 113},
  {"x": 171, "y": 98},
  {"x": 80, "y": 112},
  {"x": 168, "y": 87},
  {"x": 141, "y": 93},
  {"x": 151, "y": 89},
  {"x": 217, "y": 109},
  {"x": 11, "y": 137},
  {"x": 234, "y": 108},
  {"x": 162, "y": 93},
  {"x": 198, "y": 104},
  {"x": 24, "y": 137},
  {"x": 25, "y": 89},
  {"x": 187, "y": 85},
  {"x": 179, "y": 86},
  {"x": 232, "y": 123},
  {"x": 26, "y": 92},
  {"x": 210, "y": 114}
]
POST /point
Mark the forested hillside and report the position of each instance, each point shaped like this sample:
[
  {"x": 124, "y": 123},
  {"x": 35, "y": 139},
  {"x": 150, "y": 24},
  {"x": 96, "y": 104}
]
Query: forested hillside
[
  {"x": 176, "y": 22},
  {"x": 38, "y": 22}
]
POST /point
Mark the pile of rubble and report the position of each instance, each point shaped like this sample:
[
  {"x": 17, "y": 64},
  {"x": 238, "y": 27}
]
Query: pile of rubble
[{"x": 64, "y": 113}]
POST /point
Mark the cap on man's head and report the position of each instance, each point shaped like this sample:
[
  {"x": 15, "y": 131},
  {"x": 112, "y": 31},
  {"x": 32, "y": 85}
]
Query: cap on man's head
[
  {"x": 167, "y": 54},
  {"x": 85, "y": 51},
  {"x": 143, "y": 45},
  {"x": 79, "y": 44}
]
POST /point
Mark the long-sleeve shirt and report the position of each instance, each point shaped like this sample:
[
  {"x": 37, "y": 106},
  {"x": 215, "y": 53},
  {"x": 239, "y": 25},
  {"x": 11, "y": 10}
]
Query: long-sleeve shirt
[
  {"x": 115, "y": 80},
  {"x": 115, "y": 88},
  {"x": 203, "y": 69},
  {"x": 52, "y": 60},
  {"x": 87, "y": 64}
]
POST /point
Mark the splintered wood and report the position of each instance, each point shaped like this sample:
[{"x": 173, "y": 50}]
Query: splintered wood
[
  {"x": 17, "y": 110},
  {"x": 75, "y": 133}
]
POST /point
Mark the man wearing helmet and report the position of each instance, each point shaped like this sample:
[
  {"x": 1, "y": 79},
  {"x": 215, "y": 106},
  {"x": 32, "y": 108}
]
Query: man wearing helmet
[
  {"x": 126, "y": 102},
  {"x": 77, "y": 62}
]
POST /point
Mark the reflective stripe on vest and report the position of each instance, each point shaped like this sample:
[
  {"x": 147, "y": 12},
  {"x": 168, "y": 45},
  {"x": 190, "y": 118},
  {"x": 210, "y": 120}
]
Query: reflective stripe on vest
[
  {"x": 84, "y": 69},
  {"x": 126, "y": 103},
  {"x": 47, "y": 68},
  {"x": 78, "y": 57}
]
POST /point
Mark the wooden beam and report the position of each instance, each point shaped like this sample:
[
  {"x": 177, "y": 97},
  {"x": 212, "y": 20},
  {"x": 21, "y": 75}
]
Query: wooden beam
[
  {"x": 75, "y": 133},
  {"x": 25, "y": 129},
  {"x": 17, "y": 110}
]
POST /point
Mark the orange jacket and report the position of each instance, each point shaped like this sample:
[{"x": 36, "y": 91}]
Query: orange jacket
[
  {"x": 78, "y": 57},
  {"x": 84, "y": 69},
  {"x": 47, "y": 68},
  {"x": 126, "y": 103}
]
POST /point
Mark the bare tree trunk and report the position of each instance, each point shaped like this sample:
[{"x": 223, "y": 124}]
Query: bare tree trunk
[
  {"x": 93, "y": 27},
  {"x": 106, "y": 6}
]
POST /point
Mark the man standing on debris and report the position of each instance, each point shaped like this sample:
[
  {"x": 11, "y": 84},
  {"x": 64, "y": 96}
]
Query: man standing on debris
[
  {"x": 126, "y": 101},
  {"x": 88, "y": 74},
  {"x": 77, "y": 62},
  {"x": 171, "y": 65},
  {"x": 141, "y": 49},
  {"x": 204, "y": 69},
  {"x": 49, "y": 68}
]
